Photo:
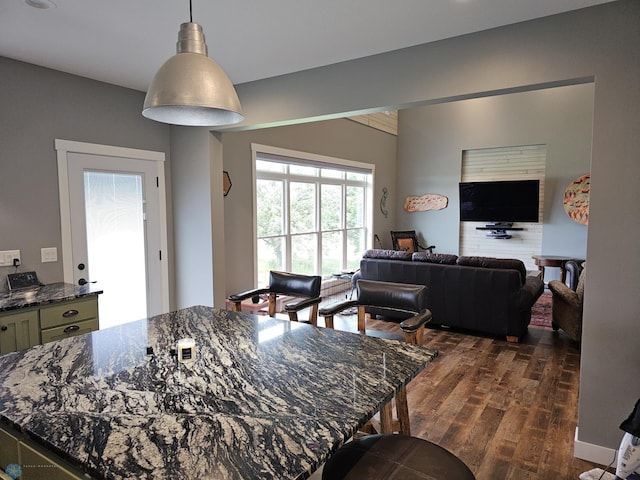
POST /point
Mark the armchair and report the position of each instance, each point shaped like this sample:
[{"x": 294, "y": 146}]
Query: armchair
[
  {"x": 285, "y": 283},
  {"x": 566, "y": 306}
]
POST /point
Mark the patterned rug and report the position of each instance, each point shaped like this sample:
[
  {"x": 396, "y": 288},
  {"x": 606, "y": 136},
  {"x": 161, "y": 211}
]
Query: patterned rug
[{"x": 541, "y": 311}]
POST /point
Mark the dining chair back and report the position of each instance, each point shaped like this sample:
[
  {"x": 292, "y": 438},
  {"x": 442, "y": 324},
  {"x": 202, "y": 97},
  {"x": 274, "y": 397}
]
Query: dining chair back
[{"x": 305, "y": 289}]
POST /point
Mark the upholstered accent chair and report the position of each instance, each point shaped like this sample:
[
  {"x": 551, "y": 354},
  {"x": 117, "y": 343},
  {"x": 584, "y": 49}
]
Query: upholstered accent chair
[{"x": 566, "y": 306}]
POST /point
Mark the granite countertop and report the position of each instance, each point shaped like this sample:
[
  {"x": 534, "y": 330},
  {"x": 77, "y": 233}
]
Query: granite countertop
[
  {"x": 264, "y": 398},
  {"x": 45, "y": 294}
]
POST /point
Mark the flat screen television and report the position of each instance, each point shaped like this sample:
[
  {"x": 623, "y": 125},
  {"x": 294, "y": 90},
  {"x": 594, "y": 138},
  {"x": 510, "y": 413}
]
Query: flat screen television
[{"x": 500, "y": 202}]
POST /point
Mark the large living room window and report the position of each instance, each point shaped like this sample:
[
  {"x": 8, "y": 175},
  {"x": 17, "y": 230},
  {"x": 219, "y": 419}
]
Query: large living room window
[{"x": 312, "y": 213}]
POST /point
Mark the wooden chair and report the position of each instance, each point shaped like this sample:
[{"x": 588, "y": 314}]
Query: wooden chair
[
  {"x": 408, "y": 240},
  {"x": 306, "y": 288},
  {"x": 399, "y": 297}
]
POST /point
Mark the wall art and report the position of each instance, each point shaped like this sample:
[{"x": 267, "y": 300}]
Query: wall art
[{"x": 428, "y": 201}]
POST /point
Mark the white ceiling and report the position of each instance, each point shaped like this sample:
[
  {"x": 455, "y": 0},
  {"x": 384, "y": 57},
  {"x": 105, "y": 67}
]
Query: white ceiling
[{"x": 124, "y": 42}]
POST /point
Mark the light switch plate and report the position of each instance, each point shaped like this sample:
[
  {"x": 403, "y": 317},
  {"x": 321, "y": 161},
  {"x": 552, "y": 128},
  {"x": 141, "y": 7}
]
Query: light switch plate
[
  {"x": 7, "y": 256},
  {"x": 49, "y": 254}
]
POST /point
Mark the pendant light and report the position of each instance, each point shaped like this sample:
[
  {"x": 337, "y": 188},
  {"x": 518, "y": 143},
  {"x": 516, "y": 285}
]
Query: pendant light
[{"x": 190, "y": 88}]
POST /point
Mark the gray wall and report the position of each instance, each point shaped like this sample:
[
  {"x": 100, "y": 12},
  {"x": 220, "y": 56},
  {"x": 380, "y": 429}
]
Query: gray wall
[
  {"x": 432, "y": 139},
  {"x": 335, "y": 138},
  {"x": 193, "y": 181},
  {"x": 38, "y": 105},
  {"x": 599, "y": 44}
]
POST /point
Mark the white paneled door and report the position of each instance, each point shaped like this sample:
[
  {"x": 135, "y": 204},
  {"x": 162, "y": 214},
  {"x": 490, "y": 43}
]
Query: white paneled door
[{"x": 114, "y": 228}]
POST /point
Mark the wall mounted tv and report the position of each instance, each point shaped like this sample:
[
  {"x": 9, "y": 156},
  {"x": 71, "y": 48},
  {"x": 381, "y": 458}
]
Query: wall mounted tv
[{"x": 500, "y": 201}]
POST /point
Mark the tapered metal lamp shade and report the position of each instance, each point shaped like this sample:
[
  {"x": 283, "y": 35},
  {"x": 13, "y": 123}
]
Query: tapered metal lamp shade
[{"x": 190, "y": 88}]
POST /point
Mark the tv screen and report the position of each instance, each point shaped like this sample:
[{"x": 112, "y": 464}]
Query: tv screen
[{"x": 502, "y": 201}]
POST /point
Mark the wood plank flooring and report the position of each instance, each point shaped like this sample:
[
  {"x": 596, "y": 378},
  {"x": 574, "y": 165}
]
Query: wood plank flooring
[{"x": 508, "y": 410}]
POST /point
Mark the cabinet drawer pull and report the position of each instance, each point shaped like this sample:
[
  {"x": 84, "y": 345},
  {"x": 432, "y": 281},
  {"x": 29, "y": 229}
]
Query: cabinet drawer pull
[
  {"x": 4, "y": 328},
  {"x": 71, "y": 328},
  {"x": 70, "y": 313}
]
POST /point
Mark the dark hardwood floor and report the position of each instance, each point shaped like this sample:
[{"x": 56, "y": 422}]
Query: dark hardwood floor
[{"x": 508, "y": 410}]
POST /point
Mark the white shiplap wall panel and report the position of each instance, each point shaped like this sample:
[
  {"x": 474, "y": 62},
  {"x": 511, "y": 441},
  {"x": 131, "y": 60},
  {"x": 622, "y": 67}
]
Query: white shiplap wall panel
[{"x": 509, "y": 163}]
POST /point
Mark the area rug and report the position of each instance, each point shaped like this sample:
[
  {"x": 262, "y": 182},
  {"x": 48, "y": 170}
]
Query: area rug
[{"x": 541, "y": 311}]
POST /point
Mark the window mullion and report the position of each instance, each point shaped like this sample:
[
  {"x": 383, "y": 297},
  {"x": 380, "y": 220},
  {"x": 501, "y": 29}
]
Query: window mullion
[
  {"x": 318, "y": 226},
  {"x": 287, "y": 223}
]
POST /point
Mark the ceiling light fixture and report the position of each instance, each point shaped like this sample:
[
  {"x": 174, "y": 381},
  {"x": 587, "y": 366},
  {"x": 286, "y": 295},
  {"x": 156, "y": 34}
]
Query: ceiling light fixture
[{"x": 190, "y": 88}]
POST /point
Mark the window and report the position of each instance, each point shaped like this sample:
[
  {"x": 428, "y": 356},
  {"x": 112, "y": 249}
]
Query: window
[{"x": 312, "y": 215}]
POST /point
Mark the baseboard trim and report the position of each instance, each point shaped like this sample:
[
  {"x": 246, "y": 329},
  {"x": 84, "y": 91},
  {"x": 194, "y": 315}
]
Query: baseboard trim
[{"x": 592, "y": 453}]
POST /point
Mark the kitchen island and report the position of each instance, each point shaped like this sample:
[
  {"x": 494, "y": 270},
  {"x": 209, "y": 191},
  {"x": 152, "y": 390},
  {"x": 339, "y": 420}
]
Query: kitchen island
[{"x": 262, "y": 399}]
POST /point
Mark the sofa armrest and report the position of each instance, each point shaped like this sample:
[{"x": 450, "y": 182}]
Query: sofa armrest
[{"x": 530, "y": 291}]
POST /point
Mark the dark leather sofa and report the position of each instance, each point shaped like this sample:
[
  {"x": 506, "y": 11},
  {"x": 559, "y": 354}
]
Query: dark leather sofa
[{"x": 483, "y": 294}]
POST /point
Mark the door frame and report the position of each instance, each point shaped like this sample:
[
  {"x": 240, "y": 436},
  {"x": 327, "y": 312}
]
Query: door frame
[{"x": 63, "y": 147}]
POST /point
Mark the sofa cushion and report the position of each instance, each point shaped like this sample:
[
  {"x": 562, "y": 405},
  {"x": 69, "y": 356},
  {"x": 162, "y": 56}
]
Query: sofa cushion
[
  {"x": 387, "y": 254},
  {"x": 490, "y": 262},
  {"x": 443, "y": 258}
]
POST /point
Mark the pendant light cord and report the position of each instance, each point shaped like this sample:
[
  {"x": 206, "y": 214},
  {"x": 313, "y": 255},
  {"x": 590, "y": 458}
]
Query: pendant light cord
[{"x": 190, "y": 12}]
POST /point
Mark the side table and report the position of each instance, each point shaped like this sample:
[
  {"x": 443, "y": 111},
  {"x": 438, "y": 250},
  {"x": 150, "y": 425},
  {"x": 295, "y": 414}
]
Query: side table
[{"x": 556, "y": 261}]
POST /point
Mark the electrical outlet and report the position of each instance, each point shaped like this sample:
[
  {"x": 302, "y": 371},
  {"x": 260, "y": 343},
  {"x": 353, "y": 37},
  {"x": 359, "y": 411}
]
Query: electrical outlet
[{"x": 7, "y": 256}]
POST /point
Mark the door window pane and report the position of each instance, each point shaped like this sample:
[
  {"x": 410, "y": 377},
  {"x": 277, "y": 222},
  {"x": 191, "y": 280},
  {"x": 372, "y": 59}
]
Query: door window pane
[{"x": 116, "y": 244}]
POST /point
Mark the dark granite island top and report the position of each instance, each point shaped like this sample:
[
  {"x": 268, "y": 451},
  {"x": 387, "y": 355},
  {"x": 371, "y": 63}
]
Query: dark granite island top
[
  {"x": 264, "y": 398},
  {"x": 44, "y": 295}
]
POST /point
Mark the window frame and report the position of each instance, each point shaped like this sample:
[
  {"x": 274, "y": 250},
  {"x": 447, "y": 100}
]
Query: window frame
[{"x": 294, "y": 157}]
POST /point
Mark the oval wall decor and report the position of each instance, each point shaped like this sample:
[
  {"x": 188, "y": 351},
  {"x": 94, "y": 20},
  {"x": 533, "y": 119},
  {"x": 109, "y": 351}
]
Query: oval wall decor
[
  {"x": 576, "y": 199},
  {"x": 428, "y": 201}
]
